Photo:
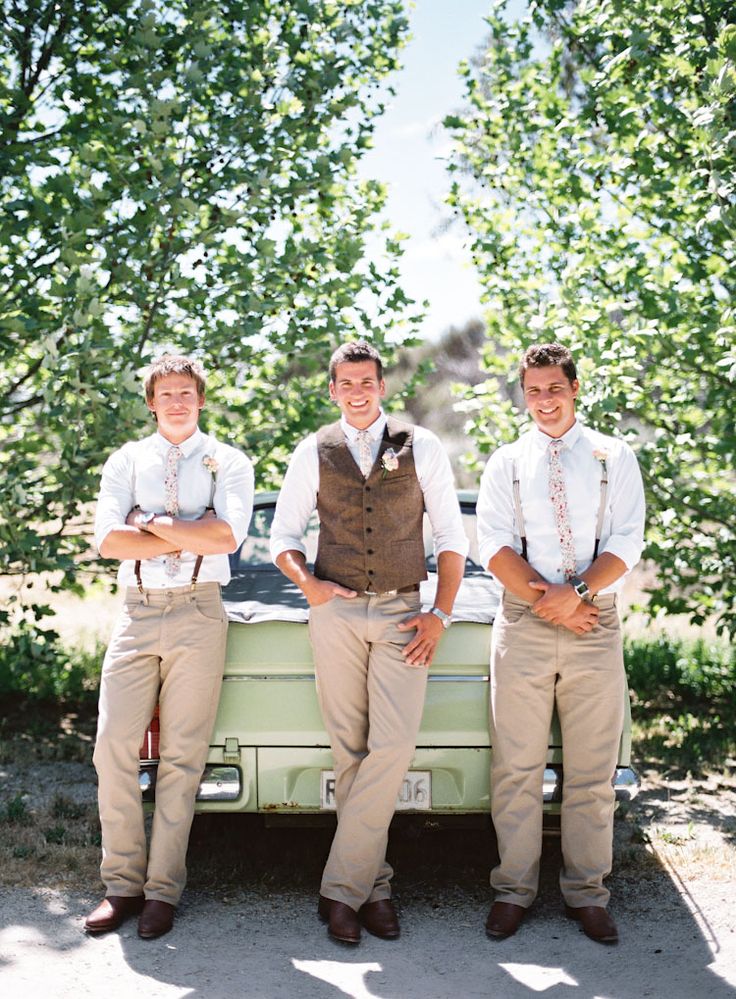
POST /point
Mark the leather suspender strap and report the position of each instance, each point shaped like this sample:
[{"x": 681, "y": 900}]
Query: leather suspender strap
[
  {"x": 517, "y": 508},
  {"x": 520, "y": 516},
  {"x": 601, "y": 508}
]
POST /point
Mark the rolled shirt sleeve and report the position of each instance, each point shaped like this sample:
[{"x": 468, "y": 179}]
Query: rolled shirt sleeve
[
  {"x": 115, "y": 500},
  {"x": 297, "y": 499},
  {"x": 234, "y": 491},
  {"x": 434, "y": 473},
  {"x": 627, "y": 505},
  {"x": 495, "y": 509}
]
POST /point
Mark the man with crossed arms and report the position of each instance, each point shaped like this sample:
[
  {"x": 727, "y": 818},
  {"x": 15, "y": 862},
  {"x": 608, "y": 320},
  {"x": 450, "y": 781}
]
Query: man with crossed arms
[
  {"x": 561, "y": 540},
  {"x": 171, "y": 506},
  {"x": 370, "y": 478}
]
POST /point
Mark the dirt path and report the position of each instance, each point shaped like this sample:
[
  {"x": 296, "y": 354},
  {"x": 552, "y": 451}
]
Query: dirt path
[{"x": 247, "y": 925}]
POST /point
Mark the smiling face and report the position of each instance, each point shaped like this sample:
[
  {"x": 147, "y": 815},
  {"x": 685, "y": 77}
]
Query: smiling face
[
  {"x": 550, "y": 398},
  {"x": 358, "y": 391},
  {"x": 176, "y": 403}
]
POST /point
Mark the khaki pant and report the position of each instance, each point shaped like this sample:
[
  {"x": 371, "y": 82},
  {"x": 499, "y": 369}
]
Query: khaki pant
[
  {"x": 372, "y": 705},
  {"x": 168, "y": 645},
  {"x": 534, "y": 665}
]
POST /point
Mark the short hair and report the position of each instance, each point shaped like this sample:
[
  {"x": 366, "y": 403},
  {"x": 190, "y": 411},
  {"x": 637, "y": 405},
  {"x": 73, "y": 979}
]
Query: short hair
[
  {"x": 548, "y": 355},
  {"x": 357, "y": 350},
  {"x": 173, "y": 364}
]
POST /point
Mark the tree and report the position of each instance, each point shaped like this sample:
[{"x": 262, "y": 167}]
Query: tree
[
  {"x": 178, "y": 173},
  {"x": 596, "y": 173}
]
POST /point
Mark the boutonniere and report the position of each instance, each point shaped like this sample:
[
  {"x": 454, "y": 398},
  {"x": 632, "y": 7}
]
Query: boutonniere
[
  {"x": 602, "y": 456},
  {"x": 389, "y": 461}
]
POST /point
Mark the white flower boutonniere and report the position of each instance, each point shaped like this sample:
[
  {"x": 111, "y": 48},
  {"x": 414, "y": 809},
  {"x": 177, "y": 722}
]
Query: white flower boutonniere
[
  {"x": 389, "y": 461},
  {"x": 602, "y": 456}
]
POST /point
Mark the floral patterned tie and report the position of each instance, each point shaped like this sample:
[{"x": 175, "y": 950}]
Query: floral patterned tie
[
  {"x": 172, "y": 562},
  {"x": 365, "y": 458},
  {"x": 558, "y": 495}
]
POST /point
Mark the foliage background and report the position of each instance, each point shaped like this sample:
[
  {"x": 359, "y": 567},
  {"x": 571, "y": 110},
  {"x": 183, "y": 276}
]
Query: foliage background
[
  {"x": 595, "y": 169},
  {"x": 179, "y": 174}
]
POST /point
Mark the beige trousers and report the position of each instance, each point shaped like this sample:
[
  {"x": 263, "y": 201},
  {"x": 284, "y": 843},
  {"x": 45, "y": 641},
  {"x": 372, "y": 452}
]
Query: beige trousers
[
  {"x": 168, "y": 645},
  {"x": 372, "y": 705},
  {"x": 533, "y": 666}
]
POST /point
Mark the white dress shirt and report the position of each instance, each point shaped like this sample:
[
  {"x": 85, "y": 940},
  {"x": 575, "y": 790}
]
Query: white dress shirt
[
  {"x": 622, "y": 533},
  {"x": 134, "y": 476},
  {"x": 298, "y": 497}
]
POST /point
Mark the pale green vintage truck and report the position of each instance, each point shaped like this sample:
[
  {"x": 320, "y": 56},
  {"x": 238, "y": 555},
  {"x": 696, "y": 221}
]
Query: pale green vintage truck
[{"x": 269, "y": 752}]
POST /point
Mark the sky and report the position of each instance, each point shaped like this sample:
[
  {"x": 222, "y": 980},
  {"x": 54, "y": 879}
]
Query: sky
[{"x": 409, "y": 148}]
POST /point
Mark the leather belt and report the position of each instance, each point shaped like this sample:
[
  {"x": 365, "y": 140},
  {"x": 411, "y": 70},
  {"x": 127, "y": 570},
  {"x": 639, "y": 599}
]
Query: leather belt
[{"x": 414, "y": 588}]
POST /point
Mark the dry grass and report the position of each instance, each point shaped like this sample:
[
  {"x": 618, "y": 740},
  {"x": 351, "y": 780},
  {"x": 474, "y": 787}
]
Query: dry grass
[{"x": 57, "y": 845}]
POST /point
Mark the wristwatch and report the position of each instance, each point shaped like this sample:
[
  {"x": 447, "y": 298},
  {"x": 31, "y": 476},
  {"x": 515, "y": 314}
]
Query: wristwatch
[
  {"x": 146, "y": 519},
  {"x": 581, "y": 587},
  {"x": 444, "y": 618}
]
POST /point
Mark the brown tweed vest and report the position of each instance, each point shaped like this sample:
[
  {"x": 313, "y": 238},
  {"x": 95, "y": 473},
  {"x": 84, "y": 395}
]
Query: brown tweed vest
[{"x": 370, "y": 535}]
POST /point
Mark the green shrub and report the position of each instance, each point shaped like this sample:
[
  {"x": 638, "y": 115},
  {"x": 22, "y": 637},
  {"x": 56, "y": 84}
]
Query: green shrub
[
  {"x": 35, "y": 665},
  {"x": 673, "y": 669},
  {"x": 15, "y": 812},
  {"x": 683, "y": 693}
]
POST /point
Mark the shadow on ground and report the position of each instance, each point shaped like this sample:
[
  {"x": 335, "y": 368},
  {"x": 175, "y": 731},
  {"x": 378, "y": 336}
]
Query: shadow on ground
[{"x": 247, "y": 925}]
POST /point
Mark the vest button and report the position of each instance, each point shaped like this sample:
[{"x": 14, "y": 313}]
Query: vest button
[
  {"x": 369, "y": 530},
  {"x": 370, "y": 572},
  {"x": 367, "y": 488},
  {"x": 369, "y": 509},
  {"x": 370, "y": 551}
]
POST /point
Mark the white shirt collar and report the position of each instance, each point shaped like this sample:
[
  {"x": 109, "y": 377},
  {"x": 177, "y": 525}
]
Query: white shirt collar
[
  {"x": 570, "y": 438},
  {"x": 189, "y": 446},
  {"x": 375, "y": 429}
]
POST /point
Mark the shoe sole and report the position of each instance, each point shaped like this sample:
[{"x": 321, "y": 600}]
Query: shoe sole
[
  {"x": 571, "y": 914},
  {"x": 393, "y": 935},
  {"x": 343, "y": 940},
  {"x": 156, "y": 935}
]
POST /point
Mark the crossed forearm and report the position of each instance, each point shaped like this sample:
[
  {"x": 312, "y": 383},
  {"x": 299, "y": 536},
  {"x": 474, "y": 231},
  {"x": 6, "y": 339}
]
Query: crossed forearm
[
  {"x": 206, "y": 536},
  {"x": 164, "y": 534}
]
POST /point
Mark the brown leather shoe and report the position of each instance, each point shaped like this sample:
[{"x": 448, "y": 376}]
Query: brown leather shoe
[
  {"x": 504, "y": 920},
  {"x": 156, "y": 919},
  {"x": 112, "y": 911},
  {"x": 595, "y": 921},
  {"x": 343, "y": 923},
  {"x": 323, "y": 908},
  {"x": 380, "y": 919}
]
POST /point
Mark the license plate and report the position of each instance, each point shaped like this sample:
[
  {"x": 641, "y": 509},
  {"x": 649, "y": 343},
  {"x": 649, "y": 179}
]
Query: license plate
[{"x": 415, "y": 794}]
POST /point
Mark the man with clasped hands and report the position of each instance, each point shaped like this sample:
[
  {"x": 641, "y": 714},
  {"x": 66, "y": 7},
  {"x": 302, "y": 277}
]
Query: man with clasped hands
[
  {"x": 560, "y": 525},
  {"x": 370, "y": 478}
]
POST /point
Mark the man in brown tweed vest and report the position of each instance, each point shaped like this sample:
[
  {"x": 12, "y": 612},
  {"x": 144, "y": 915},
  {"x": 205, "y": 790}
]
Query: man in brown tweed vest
[{"x": 370, "y": 478}]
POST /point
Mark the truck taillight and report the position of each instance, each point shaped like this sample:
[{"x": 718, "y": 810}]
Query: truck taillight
[{"x": 149, "y": 747}]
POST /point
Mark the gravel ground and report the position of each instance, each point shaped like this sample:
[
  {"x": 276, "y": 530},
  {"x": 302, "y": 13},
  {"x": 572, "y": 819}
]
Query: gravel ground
[{"x": 247, "y": 924}]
